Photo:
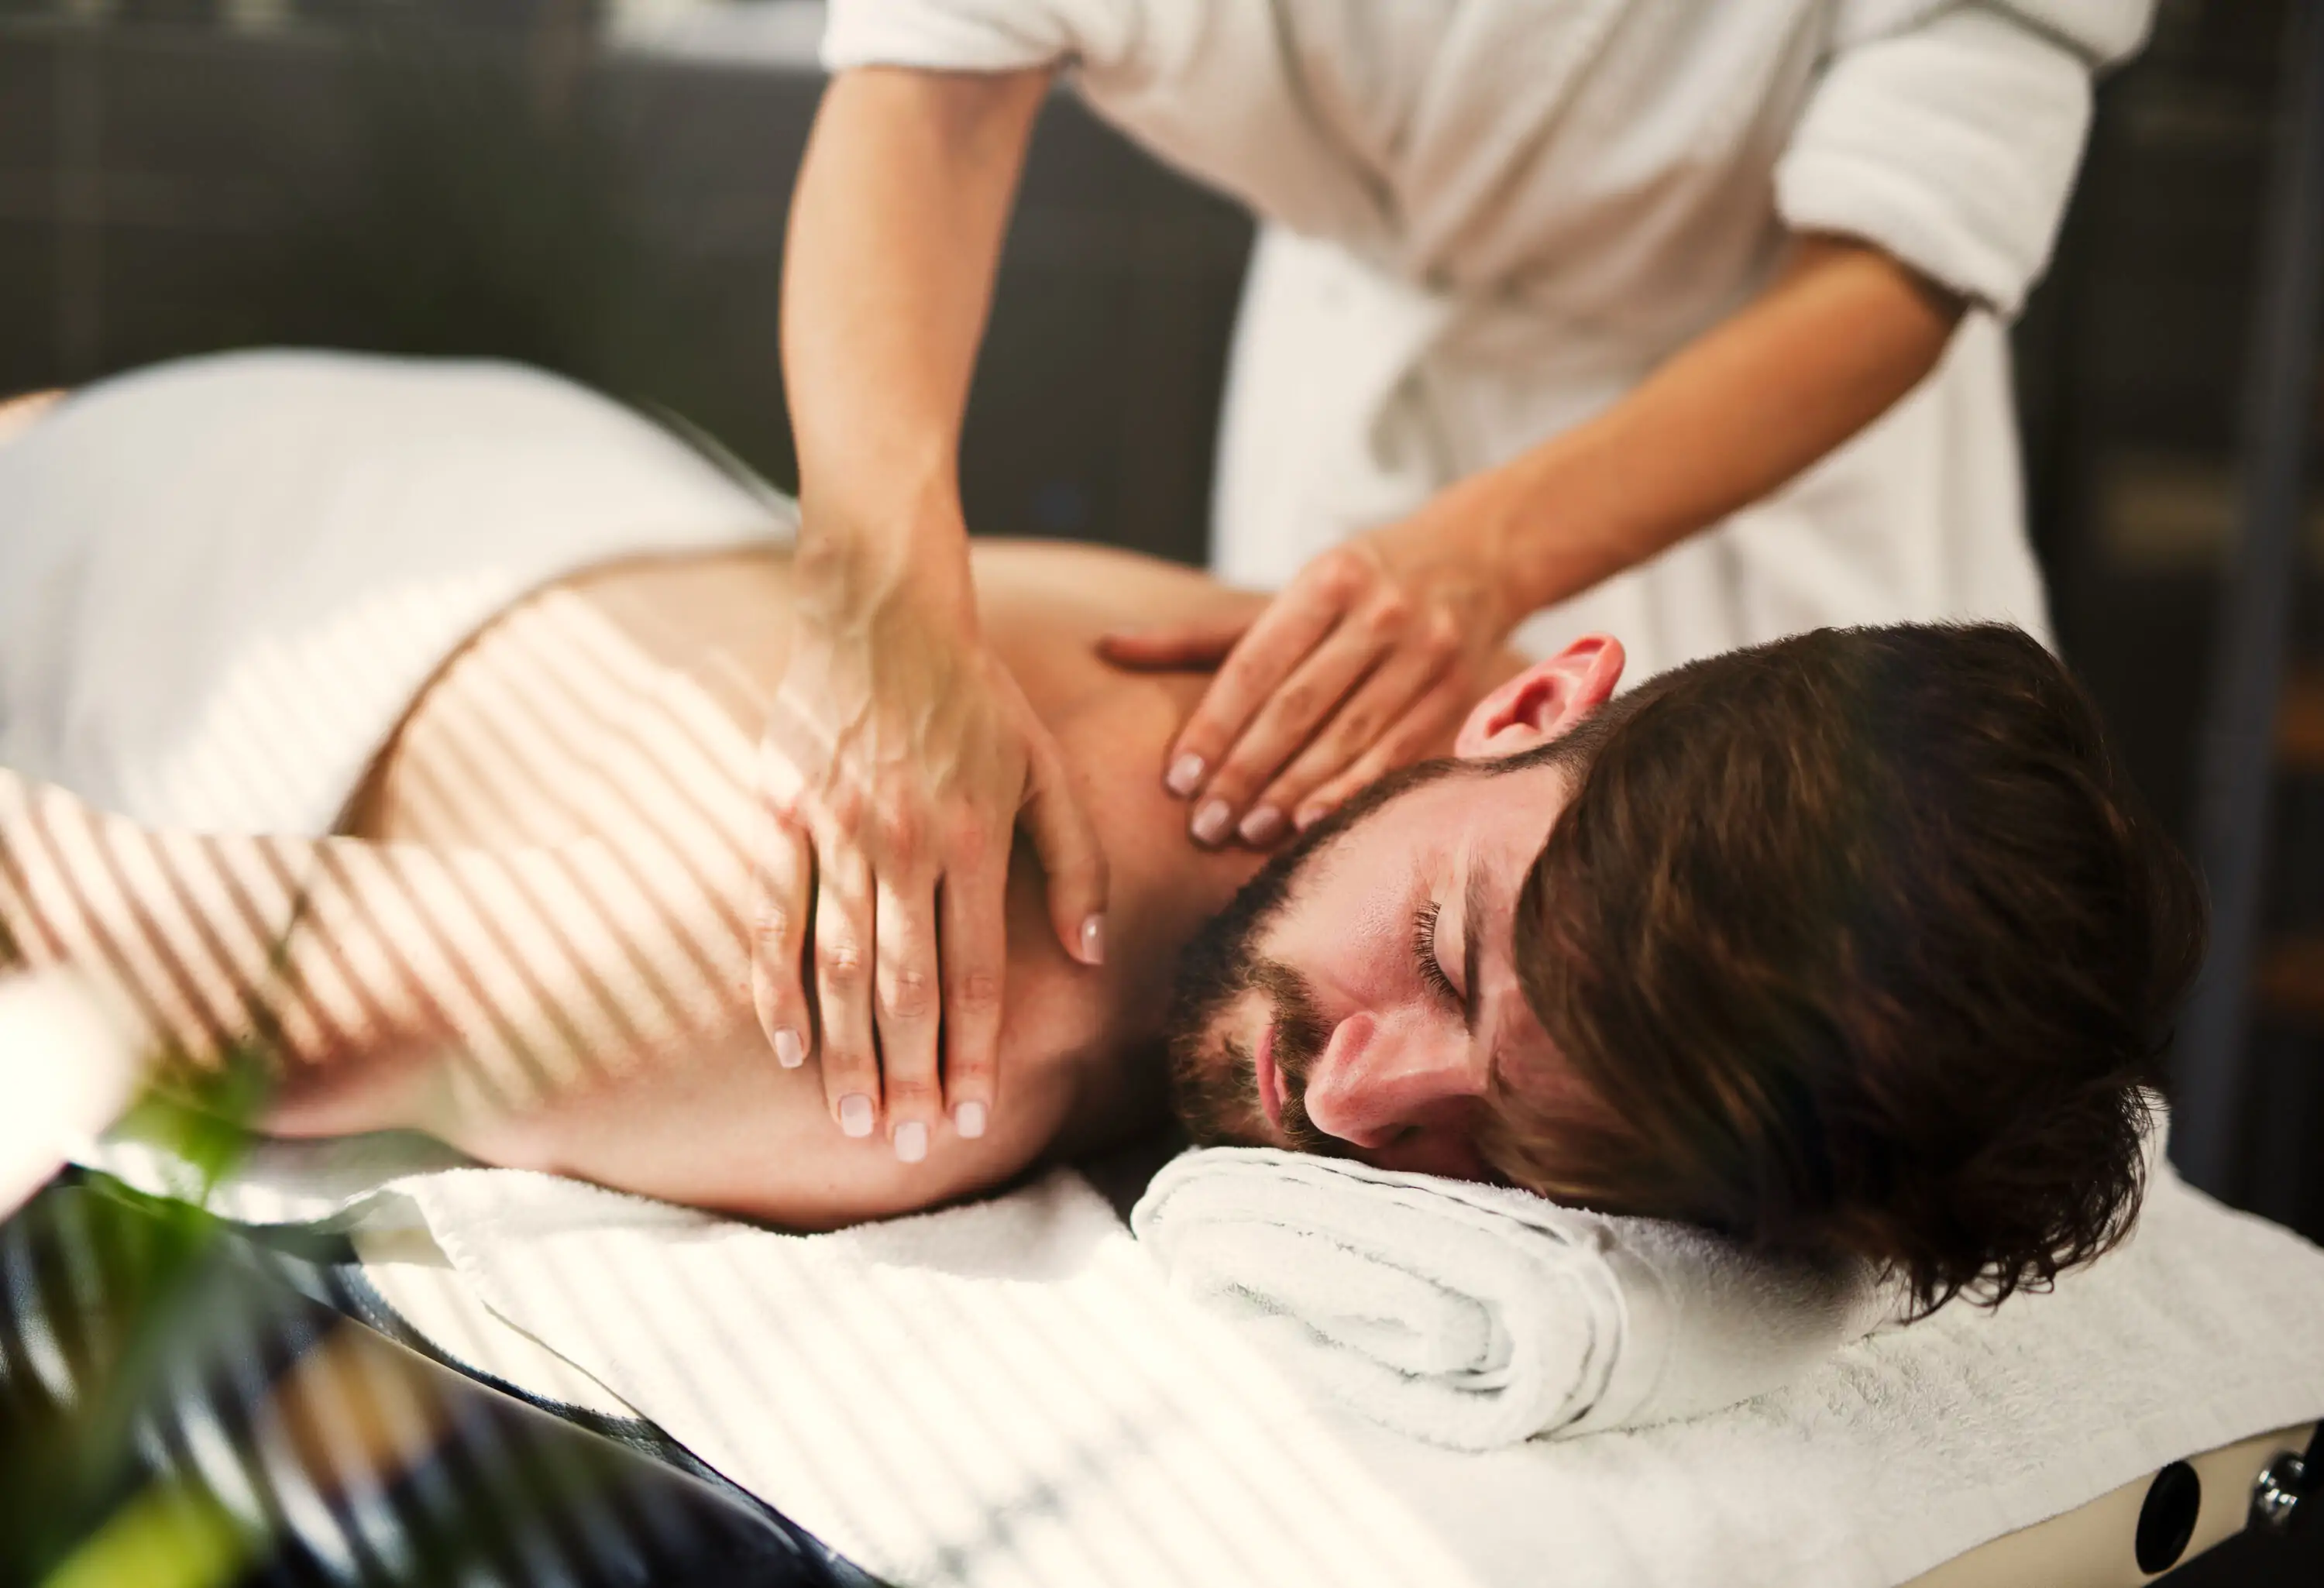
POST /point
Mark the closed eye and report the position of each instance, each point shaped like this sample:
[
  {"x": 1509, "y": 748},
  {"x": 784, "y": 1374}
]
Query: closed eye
[{"x": 1424, "y": 962}]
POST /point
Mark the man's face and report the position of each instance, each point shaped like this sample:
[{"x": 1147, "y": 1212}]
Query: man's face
[{"x": 1360, "y": 996}]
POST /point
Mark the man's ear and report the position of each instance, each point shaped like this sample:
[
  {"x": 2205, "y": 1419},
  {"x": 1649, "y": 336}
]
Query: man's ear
[{"x": 1544, "y": 700}]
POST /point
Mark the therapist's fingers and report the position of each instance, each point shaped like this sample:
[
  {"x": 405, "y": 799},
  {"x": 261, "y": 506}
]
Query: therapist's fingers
[
  {"x": 845, "y": 914},
  {"x": 1173, "y": 645},
  {"x": 1407, "y": 741},
  {"x": 973, "y": 917},
  {"x": 1278, "y": 730},
  {"x": 1291, "y": 626},
  {"x": 780, "y": 894},
  {"x": 1070, "y": 852},
  {"x": 904, "y": 1008},
  {"x": 1373, "y": 710}
]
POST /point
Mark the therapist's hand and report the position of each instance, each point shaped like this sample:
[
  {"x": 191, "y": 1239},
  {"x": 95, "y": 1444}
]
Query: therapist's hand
[
  {"x": 1367, "y": 659},
  {"x": 898, "y": 758}
]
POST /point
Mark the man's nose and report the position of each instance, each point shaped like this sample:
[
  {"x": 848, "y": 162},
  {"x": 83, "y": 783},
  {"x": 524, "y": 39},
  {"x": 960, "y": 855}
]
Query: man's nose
[{"x": 1377, "y": 1075}]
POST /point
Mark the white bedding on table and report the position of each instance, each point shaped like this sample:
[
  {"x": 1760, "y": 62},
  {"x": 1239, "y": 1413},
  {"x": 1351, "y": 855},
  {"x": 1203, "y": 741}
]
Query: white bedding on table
[
  {"x": 1002, "y": 1393},
  {"x": 1011, "y": 1392},
  {"x": 1912, "y": 1447}
]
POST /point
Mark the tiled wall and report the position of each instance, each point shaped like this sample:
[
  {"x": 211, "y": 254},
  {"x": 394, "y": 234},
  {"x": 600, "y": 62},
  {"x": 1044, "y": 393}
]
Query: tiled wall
[{"x": 167, "y": 187}]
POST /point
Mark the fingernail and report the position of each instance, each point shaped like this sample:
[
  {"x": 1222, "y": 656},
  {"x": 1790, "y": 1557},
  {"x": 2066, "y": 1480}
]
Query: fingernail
[
  {"x": 911, "y": 1141},
  {"x": 1309, "y": 815},
  {"x": 855, "y": 1114},
  {"x": 1262, "y": 826},
  {"x": 968, "y": 1118},
  {"x": 1093, "y": 940},
  {"x": 1185, "y": 774},
  {"x": 790, "y": 1051},
  {"x": 1211, "y": 822}
]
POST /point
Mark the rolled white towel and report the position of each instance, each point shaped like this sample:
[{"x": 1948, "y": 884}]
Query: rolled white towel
[{"x": 1476, "y": 1317}]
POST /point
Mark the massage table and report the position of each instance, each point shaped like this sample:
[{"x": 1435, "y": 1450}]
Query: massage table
[
  {"x": 1150, "y": 1466},
  {"x": 705, "y": 1534},
  {"x": 2161, "y": 1520},
  {"x": 2164, "y": 1520}
]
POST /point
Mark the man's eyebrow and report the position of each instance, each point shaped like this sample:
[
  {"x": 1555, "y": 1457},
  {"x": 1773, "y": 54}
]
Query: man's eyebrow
[{"x": 1472, "y": 929}]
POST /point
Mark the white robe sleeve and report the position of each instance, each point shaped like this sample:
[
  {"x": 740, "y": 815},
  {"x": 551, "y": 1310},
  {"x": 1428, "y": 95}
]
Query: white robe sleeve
[
  {"x": 1950, "y": 135},
  {"x": 979, "y": 35}
]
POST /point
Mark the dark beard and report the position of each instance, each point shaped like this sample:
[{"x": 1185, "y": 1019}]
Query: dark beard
[{"x": 1215, "y": 1080}]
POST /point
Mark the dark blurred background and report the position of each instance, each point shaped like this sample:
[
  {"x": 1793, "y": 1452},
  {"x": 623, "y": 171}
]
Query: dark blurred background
[{"x": 599, "y": 186}]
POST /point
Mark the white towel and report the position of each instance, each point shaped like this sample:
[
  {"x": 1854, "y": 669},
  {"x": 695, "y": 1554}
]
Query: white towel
[
  {"x": 223, "y": 580},
  {"x": 1477, "y": 1315},
  {"x": 67, "y": 1069},
  {"x": 1907, "y": 1448}
]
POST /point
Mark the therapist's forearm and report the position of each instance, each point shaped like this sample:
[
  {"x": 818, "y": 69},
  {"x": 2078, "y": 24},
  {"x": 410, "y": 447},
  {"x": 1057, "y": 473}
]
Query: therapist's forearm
[
  {"x": 895, "y": 233},
  {"x": 1840, "y": 336}
]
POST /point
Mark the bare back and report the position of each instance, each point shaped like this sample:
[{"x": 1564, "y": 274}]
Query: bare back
[{"x": 620, "y": 709}]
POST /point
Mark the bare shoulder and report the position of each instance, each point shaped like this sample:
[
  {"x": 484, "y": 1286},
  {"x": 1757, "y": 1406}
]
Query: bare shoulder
[
  {"x": 532, "y": 733},
  {"x": 1093, "y": 588}
]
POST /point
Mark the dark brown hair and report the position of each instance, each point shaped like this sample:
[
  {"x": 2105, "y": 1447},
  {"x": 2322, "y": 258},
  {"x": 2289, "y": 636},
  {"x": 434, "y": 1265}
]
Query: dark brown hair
[{"x": 1863, "y": 942}]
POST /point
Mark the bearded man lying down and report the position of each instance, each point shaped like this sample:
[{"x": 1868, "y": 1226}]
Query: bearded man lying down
[{"x": 1859, "y": 941}]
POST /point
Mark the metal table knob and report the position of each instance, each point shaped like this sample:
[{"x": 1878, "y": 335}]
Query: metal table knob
[{"x": 2277, "y": 1491}]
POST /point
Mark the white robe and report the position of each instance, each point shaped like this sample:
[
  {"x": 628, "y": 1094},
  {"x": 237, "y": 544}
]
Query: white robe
[{"x": 1485, "y": 220}]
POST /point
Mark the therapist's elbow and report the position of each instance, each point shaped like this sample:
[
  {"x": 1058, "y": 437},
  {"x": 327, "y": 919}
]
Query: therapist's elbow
[
  {"x": 1896, "y": 320},
  {"x": 1851, "y": 262}
]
